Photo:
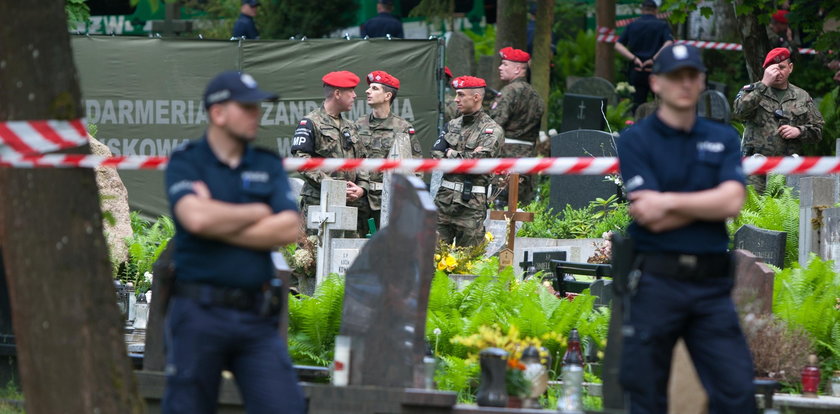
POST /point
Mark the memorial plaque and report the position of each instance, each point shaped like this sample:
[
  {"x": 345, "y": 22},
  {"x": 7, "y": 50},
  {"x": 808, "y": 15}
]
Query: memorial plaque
[
  {"x": 343, "y": 253},
  {"x": 583, "y": 112},
  {"x": 542, "y": 258},
  {"x": 767, "y": 245}
]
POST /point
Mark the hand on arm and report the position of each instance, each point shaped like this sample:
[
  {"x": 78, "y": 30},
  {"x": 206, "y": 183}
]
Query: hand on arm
[
  {"x": 659, "y": 211},
  {"x": 213, "y": 219},
  {"x": 270, "y": 232}
]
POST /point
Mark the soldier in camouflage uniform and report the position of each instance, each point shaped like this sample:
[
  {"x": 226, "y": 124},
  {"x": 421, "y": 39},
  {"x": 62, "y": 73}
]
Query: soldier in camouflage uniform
[
  {"x": 778, "y": 116},
  {"x": 519, "y": 110},
  {"x": 325, "y": 133},
  {"x": 462, "y": 198},
  {"x": 450, "y": 110},
  {"x": 380, "y": 130}
]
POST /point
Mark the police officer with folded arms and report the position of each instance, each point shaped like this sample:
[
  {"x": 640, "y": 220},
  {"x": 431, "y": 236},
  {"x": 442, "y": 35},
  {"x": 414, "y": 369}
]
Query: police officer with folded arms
[
  {"x": 683, "y": 178},
  {"x": 232, "y": 205}
]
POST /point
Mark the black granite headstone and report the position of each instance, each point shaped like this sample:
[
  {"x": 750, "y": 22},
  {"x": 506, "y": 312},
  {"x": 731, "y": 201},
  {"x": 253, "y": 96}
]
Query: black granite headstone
[
  {"x": 542, "y": 260},
  {"x": 387, "y": 293},
  {"x": 714, "y": 105},
  {"x": 583, "y": 112},
  {"x": 767, "y": 245},
  {"x": 579, "y": 190},
  {"x": 595, "y": 86},
  {"x": 603, "y": 290}
]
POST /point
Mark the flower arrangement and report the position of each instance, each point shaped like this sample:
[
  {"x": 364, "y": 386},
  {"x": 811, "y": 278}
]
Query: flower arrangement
[
  {"x": 625, "y": 90},
  {"x": 461, "y": 260},
  {"x": 603, "y": 250}
]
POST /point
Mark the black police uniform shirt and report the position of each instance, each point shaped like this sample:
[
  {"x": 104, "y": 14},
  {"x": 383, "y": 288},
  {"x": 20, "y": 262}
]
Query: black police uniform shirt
[
  {"x": 258, "y": 178},
  {"x": 381, "y": 25},
  {"x": 245, "y": 27},
  {"x": 645, "y": 36},
  {"x": 654, "y": 156}
]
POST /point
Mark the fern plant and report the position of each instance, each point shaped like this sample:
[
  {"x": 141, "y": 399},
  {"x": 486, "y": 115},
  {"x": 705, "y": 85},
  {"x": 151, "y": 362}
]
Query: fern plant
[
  {"x": 592, "y": 221},
  {"x": 777, "y": 210},
  {"x": 144, "y": 246},
  {"x": 809, "y": 297},
  {"x": 314, "y": 322}
]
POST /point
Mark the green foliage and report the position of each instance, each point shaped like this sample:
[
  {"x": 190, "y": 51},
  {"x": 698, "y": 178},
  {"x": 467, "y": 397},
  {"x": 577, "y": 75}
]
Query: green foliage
[
  {"x": 314, "y": 322},
  {"x": 278, "y": 19},
  {"x": 777, "y": 209},
  {"x": 810, "y": 297},
  {"x": 11, "y": 399},
  {"x": 144, "y": 247},
  {"x": 574, "y": 57},
  {"x": 831, "y": 130},
  {"x": 77, "y": 12},
  {"x": 601, "y": 216},
  {"x": 459, "y": 375},
  {"x": 485, "y": 43},
  {"x": 618, "y": 115},
  {"x": 502, "y": 302}
]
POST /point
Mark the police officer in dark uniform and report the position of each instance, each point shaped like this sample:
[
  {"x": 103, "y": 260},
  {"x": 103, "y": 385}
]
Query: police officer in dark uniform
[
  {"x": 684, "y": 178},
  {"x": 244, "y": 25},
  {"x": 232, "y": 206},
  {"x": 640, "y": 42},
  {"x": 383, "y": 23}
]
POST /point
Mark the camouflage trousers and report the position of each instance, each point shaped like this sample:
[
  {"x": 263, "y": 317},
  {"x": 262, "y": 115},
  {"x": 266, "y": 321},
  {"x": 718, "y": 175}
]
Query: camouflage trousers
[
  {"x": 526, "y": 181},
  {"x": 461, "y": 224},
  {"x": 362, "y": 214}
]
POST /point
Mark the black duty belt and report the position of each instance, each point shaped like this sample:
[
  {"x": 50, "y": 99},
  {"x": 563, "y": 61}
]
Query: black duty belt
[
  {"x": 228, "y": 297},
  {"x": 687, "y": 266}
]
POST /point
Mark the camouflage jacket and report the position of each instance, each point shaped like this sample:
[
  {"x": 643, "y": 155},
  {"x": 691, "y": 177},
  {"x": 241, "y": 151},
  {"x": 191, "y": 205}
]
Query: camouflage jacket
[
  {"x": 519, "y": 109},
  {"x": 450, "y": 109},
  {"x": 377, "y": 137},
  {"x": 755, "y": 106},
  {"x": 469, "y": 136},
  {"x": 317, "y": 136}
]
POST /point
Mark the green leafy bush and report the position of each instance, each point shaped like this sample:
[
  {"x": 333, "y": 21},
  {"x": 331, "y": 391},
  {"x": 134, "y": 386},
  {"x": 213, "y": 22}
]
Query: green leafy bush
[
  {"x": 314, "y": 322},
  {"x": 809, "y": 297},
  {"x": 777, "y": 209},
  {"x": 148, "y": 241},
  {"x": 485, "y": 43},
  {"x": 599, "y": 217},
  {"x": 831, "y": 130}
]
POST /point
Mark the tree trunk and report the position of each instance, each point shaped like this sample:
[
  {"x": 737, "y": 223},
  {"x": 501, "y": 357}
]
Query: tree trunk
[
  {"x": 605, "y": 52},
  {"x": 69, "y": 333},
  {"x": 541, "y": 61},
  {"x": 511, "y": 28},
  {"x": 755, "y": 42}
]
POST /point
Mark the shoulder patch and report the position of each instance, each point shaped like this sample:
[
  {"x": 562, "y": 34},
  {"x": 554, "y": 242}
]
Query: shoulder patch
[
  {"x": 411, "y": 131},
  {"x": 488, "y": 130},
  {"x": 304, "y": 138},
  {"x": 748, "y": 87}
]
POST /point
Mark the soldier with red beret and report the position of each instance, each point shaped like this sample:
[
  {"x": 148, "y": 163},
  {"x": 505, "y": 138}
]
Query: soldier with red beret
[
  {"x": 778, "y": 116},
  {"x": 519, "y": 109},
  {"x": 325, "y": 133},
  {"x": 780, "y": 33},
  {"x": 450, "y": 110},
  {"x": 462, "y": 198},
  {"x": 382, "y": 133}
]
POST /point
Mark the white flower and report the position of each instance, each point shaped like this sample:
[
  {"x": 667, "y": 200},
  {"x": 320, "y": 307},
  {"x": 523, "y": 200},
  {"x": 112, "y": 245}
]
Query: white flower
[
  {"x": 148, "y": 296},
  {"x": 436, "y": 331},
  {"x": 148, "y": 277}
]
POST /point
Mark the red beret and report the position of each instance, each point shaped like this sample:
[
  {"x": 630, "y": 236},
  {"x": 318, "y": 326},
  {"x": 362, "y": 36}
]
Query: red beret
[
  {"x": 515, "y": 55},
  {"x": 447, "y": 72},
  {"x": 776, "y": 55},
  {"x": 341, "y": 79},
  {"x": 781, "y": 16},
  {"x": 379, "y": 76},
  {"x": 468, "y": 82}
]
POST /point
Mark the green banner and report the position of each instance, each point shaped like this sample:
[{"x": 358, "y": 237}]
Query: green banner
[{"x": 144, "y": 95}]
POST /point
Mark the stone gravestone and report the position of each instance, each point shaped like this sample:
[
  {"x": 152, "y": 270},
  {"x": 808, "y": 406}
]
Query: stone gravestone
[
  {"x": 343, "y": 253},
  {"x": 583, "y": 112},
  {"x": 387, "y": 292},
  {"x": 830, "y": 236},
  {"x": 753, "y": 292},
  {"x": 816, "y": 193},
  {"x": 714, "y": 105},
  {"x": 595, "y": 86},
  {"x": 401, "y": 149},
  {"x": 460, "y": 54},
  {"x": 330, "y": 218},
  {"x": 579, "y": 190},
  {"x": 769, "y": 245},
  {"x": 542, "y": 257},
  {"x": 296, "y": 185}
]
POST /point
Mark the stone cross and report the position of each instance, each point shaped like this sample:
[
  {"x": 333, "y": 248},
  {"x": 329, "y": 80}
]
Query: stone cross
[
  {"x": 582, "y": 107},
  {"x": 506, "y": 256},
  {"x": 401, "y": 149},
  {"x": 330, "y": 216}
]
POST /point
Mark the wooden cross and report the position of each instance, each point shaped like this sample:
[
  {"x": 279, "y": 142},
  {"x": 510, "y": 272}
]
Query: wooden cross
[{"x": 506, "y": 255}]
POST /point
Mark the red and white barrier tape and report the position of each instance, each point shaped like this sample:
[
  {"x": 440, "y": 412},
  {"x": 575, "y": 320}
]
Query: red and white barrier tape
[
  {"x": 38, "y": 137},
  {"x": 625, "y": 22},
  {"x": 607, "y": 35},
  {"x": 551, "y": 166}
]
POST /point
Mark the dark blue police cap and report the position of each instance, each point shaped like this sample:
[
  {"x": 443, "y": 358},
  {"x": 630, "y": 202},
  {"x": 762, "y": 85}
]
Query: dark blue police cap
[
  {"x": 234, "y": 86},
  {"x": 252, "y": 3},
  {"x": 676, "y": 57}
]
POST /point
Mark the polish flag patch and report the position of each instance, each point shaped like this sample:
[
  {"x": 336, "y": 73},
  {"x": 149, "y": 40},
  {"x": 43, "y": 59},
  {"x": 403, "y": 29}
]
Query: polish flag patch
[
  {"x": 488, "y": 131},
  {"x": 302, "y": 122},
  {"x": 411, "y": 131}
]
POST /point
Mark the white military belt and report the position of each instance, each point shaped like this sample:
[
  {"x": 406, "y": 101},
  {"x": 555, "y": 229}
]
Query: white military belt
[
  {"x": 518, "y": 142},
  {"x": 376, "y": 186},
  {"x": 459, "y": 187}
]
